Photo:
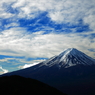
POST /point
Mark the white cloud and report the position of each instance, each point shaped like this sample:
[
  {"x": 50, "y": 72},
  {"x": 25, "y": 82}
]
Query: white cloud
[
  {"x": 90, "y": 19},
  {"x": 14, "y": 64},
  {"x": 3, "y": 70},
  {"x": 60, "y": 11},
  {"x": 31, "y": 61},
  {"x": 17, "y": 42},
  {"x": 5, "y": 15},
  {"x": 6, "y": 59},
  {"x": 27, "y": 65},
  {"x": 3, "y": 6},
  {"x": 12, "y": 25}
]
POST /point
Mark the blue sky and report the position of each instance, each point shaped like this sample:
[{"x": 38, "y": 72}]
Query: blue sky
[{"x": 32, "y": 31}]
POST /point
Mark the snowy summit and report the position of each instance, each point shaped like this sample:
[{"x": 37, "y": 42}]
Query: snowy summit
[{"x": 70, "y": 57}]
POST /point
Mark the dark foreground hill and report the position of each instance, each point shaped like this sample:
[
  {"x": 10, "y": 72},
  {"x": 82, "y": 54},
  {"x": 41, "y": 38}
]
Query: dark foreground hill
[{"x": 16, "y": 85}]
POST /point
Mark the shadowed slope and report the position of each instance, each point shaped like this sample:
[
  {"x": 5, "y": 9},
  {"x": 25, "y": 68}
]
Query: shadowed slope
[{"x": 16, "y": 85}]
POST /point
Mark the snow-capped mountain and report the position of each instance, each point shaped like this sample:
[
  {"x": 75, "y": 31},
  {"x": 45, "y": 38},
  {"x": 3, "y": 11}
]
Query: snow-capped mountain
[
  {"x": 73, "y": 56},
  {"x": 70, "y": 57},
  {"x": 71, "y": 71}
]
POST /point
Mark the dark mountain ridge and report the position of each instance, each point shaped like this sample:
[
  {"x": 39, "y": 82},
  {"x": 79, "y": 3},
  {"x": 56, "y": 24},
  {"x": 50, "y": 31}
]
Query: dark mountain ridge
[{"x": 17, "y": 85}]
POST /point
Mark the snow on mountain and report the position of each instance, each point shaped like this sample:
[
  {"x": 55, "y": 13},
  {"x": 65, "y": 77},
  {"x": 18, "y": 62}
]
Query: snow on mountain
[{"x": 69, "y": 57}]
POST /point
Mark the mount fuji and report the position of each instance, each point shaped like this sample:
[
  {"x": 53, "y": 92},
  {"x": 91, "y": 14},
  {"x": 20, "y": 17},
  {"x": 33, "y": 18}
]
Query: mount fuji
[
  {"x": 71, "y": 72},
  {"x": 70, "y": 57}
]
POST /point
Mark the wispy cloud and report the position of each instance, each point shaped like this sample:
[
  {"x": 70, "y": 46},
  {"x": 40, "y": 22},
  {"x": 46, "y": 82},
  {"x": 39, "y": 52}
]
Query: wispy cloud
[
  {"x": 17, "y": 63},
  {"x": 3, "y": 70},
  {"x": 27, "y": 65},
  {"x": 11, "y": 25},
  {"x": 6, "y": 59}
]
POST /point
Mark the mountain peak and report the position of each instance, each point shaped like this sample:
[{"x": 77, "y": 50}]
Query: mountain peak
[
  {"x": 72, "y": 56},
  {"x": 72, "y": 49},
  {"x": 69, "y": 51}
]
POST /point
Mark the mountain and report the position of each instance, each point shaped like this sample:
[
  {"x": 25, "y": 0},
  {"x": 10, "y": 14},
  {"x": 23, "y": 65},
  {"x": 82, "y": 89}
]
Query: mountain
[
  {"x": 17, "y": 85},
  {"x": 70, "y": 57},
  {"x": 71, "y": 72}
]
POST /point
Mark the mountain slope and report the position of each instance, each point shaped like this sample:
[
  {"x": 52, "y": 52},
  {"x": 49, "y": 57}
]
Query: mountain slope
[
  {"x": 70, "y": 57},
  {"x": 72, "y": 72}
]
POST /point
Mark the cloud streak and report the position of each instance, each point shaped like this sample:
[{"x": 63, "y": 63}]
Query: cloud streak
[
  {"x": 27, "y": 65},
  {"x": 16, "y": 63}
]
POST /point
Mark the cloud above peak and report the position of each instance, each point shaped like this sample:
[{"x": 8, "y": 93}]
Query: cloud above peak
[{"x": 16, "y": 42}]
